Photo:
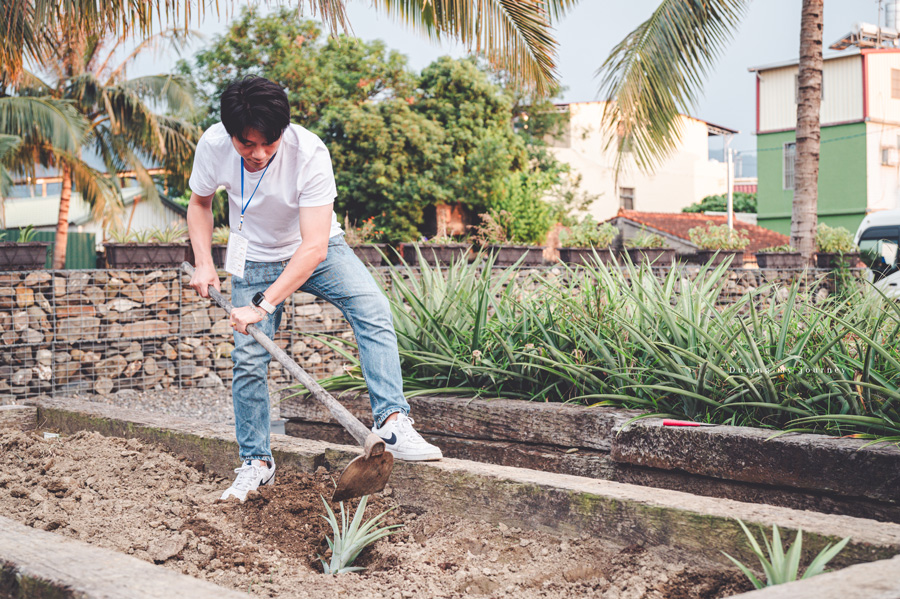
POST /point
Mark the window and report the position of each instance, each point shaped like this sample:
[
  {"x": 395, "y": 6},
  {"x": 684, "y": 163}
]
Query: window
[
  {"x": 895, "y": 84},
  {"x": 797, "y": 88},
  {"x": 889, "y": 156},
  {"x": 790, "y": 156},
  {"x": 626, "y": 198}
]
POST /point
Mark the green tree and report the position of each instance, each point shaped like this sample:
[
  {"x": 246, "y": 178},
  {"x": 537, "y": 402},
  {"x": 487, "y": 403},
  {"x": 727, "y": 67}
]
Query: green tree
[
  {"x": 317, "y": 71},
  {"x": 475, "y": 116},
  {"x": 656, "y": 72},
  {"x": 743, "y": 202},
  {"x": 385, "y": 161},
  {"x": 118, "y": 125},
  {"x": 399, "y": 142}
]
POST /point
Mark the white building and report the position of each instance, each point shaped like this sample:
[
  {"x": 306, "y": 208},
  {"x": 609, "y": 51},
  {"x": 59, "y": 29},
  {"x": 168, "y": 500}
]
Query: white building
[
  {"x": 686, "y": 177},
  {"x": 38, "y": 205}
]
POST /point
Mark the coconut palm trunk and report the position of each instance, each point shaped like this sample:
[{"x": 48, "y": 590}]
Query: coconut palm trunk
[
  {"x": 62, "y": 224},
  {"x": 809, "y": 102}
]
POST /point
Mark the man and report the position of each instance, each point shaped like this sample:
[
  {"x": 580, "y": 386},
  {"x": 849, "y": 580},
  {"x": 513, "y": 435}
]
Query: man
[{"x": 284, "y": 237}]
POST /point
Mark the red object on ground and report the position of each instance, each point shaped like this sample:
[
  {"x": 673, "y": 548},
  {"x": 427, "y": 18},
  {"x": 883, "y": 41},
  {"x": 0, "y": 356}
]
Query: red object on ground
[{"x": 668, "y": 422}]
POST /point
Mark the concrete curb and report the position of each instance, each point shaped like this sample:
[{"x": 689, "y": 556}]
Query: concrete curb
[{"x": 804, "y": 463}]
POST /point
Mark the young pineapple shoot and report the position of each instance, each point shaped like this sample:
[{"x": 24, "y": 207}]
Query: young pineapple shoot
[{"x": 350, "y": 538}]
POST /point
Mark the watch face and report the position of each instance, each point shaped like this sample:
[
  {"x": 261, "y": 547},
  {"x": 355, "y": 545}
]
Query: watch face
[{"x": 258, "y": 298}]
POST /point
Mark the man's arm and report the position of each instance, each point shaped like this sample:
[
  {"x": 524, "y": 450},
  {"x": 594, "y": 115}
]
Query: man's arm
[
  {"x": 200, "y": 229},
  {"x": 315, "y": 227}
]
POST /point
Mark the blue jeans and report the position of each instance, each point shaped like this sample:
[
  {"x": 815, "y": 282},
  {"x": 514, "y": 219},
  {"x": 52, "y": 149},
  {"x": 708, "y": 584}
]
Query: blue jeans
[{"x": 344, "y": 281}]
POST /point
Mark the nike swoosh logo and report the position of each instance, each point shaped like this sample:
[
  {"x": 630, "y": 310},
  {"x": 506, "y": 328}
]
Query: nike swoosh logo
[{"x": 391, "y": 440}]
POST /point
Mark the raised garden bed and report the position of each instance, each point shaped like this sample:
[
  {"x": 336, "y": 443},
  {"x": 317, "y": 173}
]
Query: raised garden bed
[
  {"x": 151, "y": 255},
  {"x": 469, "y": 529},
  {"x": 833, "y": 260},
  {"x": 507, "y": 255},
  {"x": 371, "y": 253},
  {"x": 436, "y": 253},
  {"x": 587, "y": 255},
  {"x": 717, "y": 257},
  {"x": 23, "y": 256},
  {"x": 654, "y": 256},
  {"x": 803, "y": 471},
  {"x": 779, "y": 260}
]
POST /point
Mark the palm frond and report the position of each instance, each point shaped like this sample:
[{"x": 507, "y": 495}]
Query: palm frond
[
  {"x": 513, "y": 35},
  {"x": 332, "y": 12},
  {"x": 116, "y": 15},
  {"x": 176, "y": 91},
  {"x": 34, "y": 84},
  {"x": 655, "y": 73},
  {"x": 8, "y": 143},
  {"x": 34, "y": 119}
]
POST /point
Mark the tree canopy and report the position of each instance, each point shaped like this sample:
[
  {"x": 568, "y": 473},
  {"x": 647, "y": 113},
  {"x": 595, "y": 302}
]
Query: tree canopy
[{"x": 400, "y": 141}]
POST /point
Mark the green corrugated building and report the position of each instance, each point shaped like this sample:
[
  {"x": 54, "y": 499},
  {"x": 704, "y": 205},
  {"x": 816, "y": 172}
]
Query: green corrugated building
[{"x": 860, "y": 117}]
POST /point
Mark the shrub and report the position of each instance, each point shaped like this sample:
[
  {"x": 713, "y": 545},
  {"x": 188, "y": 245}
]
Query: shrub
[
  {"x": 643, "y": 239},
  {"x": 492, "y": 231},
  {"x": 588, "y": 233},
  {"x": 220, "y": 235},
  {"x": 834, "y": 240},
  {"x": 778, "y": 249},
  {"x": 713, "y": 237},
  {"x": 367, "y": 233}
]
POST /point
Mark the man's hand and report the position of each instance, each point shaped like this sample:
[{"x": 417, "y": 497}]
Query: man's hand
[
  {"x": 204, "y": 276},
  {"x": 247, "y": 315}
]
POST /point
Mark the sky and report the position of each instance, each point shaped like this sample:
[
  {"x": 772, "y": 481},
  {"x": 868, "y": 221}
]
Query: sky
[{"x": 769, "y": 33}]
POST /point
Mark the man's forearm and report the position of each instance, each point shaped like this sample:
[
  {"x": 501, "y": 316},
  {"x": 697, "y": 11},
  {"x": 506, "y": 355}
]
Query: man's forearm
[
  {"x": 301, "y": 266},
  {"x": 200, "y": 229}
]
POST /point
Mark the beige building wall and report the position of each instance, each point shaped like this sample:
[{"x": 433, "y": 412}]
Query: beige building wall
[
  {"x": 882, "y": 105},
  {"x": 842, "y": 99},
  {"x": 686, "y": 177},
  {"x": 882, "y": 166}
]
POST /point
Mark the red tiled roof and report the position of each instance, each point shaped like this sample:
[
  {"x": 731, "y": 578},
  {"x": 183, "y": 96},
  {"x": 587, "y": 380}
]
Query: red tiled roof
[{"x": 679, "y": 223}]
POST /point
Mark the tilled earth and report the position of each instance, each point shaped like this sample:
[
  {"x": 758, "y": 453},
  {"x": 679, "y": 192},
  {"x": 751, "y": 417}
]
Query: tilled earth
[{"x": 141, "y": 500}]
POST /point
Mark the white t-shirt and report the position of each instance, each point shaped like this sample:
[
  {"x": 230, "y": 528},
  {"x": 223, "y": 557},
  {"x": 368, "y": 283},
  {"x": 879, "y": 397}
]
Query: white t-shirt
[{"x": 299, "y": 175}]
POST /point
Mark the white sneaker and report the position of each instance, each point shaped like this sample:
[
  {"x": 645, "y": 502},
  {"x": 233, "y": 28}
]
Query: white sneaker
[
  {"x": 402, "y": 440},
  {"x": 250, "y": 476}
]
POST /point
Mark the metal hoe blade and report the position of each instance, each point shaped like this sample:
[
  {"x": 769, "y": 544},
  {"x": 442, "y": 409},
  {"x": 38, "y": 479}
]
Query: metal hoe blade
[{"x": 364, "y": 475}]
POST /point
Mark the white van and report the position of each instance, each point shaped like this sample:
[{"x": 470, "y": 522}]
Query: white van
[{"x": 878, "y": 238}]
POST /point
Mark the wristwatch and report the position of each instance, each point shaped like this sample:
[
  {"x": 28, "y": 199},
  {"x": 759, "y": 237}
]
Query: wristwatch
[{"x": 259, "y": 300}]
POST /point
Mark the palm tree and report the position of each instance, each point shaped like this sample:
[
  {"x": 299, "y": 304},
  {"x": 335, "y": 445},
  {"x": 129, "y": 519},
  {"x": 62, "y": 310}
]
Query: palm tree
[
  {"x": 809, "y": 101},
  {"x": 119, "y": 126},
  {"x": 514, "y": 34},
  {"x": 656, "y": 71}
]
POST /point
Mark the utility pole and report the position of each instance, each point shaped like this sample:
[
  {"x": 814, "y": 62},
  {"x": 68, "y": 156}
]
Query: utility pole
[{"x": 730, "y": 182}]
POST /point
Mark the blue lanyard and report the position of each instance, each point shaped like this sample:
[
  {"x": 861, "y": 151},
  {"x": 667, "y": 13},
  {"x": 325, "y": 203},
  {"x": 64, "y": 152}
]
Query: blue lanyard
[{"x": 243, "y": 205}]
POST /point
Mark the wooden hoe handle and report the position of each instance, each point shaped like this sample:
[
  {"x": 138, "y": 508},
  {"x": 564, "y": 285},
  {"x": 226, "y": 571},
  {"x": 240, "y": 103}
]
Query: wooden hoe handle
[{"x": 340, "y": 413}]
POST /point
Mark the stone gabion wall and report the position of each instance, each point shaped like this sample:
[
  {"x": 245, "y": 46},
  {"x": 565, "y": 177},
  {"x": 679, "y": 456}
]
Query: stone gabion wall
[{"x": 103, "y": 331}]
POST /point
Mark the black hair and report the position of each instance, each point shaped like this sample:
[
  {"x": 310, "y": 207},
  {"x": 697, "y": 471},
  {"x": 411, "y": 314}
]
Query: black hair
[{"x": 255, "y": 103}]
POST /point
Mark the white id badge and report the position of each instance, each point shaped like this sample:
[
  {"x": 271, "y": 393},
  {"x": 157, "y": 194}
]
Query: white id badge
[{"x": 236, "y": 254}]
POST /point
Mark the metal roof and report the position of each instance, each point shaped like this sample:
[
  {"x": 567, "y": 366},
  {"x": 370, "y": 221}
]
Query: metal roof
[
  {"x": 43, "y": 211},
  {"x": 796, "y": 61}
]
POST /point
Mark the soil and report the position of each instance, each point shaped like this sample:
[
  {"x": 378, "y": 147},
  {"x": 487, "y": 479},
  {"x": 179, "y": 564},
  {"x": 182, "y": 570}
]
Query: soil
[{"x": 141, "y": 500}]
